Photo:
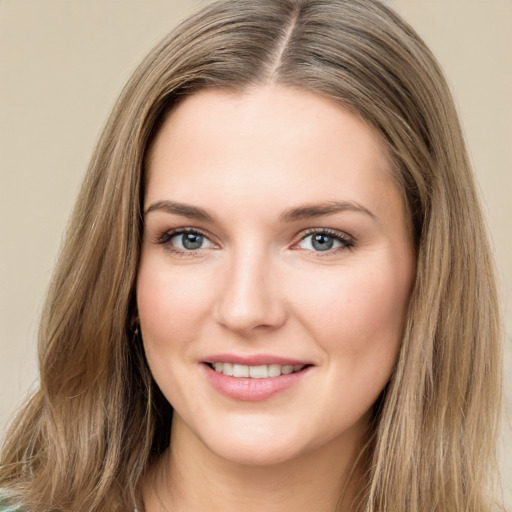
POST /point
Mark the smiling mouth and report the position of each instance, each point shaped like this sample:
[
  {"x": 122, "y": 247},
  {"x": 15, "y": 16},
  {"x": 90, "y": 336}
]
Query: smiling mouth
[{"x": 263, "y": 371}]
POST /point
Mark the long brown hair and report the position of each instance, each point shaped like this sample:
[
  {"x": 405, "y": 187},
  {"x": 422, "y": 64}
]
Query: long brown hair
[{"x": 84, "y": 439}]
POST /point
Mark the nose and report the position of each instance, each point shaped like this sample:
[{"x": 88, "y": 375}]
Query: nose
[{"x": 250, "y": 299}]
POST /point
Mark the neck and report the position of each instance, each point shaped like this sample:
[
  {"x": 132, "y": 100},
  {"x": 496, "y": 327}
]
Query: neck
[{"x": 189, "y": 477}]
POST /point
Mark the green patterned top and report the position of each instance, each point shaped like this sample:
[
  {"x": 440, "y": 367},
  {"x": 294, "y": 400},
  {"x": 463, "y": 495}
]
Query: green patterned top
[{"x": 8, "y": 508}]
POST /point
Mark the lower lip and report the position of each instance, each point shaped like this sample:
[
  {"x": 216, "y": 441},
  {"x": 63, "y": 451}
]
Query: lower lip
[{"x": 252, "y": 390}]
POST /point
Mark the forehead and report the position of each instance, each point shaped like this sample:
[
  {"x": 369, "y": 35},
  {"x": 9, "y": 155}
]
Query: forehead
[
  {"x": 292, "y": 144},
  {"x": 289, "y": 112}
]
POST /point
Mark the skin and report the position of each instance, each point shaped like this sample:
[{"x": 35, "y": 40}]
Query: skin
[{"x": 257, "y": 285}]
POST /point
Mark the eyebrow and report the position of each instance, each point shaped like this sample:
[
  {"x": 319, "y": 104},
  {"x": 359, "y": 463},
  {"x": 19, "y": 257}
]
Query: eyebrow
[
  {"x": 307, "y": 211},
  {"x": 185, "y": 210}
]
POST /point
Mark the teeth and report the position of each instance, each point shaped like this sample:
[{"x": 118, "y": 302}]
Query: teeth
[
  {"x": 258, "y": 372},
  {"x": 274, "y": 370},
  {"x": 263, "y": 371},
  {"x": 240, "y": 370}
]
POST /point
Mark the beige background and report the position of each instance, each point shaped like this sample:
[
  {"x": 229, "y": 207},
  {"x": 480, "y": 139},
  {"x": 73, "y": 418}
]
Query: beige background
[{"x": 63, "y": 63}]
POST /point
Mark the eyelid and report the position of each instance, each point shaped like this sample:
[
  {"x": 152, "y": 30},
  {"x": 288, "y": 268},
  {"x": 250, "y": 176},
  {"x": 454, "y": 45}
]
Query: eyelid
[
  {"x": 347, "y": 241},
  {"x": 165, "y": 238}
]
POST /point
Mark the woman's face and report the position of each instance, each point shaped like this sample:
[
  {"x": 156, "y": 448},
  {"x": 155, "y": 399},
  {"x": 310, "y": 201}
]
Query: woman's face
[{"x": 275, "y": 241}]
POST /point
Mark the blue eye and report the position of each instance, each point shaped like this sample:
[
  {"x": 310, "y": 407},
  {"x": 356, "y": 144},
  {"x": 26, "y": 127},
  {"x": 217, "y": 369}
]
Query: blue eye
[
  {"x": 185, "y": 240},
  {"x": 323, "y": 241},
  {"x": 190, "y": 241}
]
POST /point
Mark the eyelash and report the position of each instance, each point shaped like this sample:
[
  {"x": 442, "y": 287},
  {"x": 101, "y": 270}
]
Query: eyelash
[
  {"x": 166, "y": 237},
  {"x": 345, "y": 241}
]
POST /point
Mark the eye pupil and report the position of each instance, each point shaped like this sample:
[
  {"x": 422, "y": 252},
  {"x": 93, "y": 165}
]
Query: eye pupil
[
  {"x": 192, "y": 240},
  {"x": 322, "y": 242}
]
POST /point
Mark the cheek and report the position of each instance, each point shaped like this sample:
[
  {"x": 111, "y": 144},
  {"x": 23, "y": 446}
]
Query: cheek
[
  {"x": 358, "y": 313},
  {"x": 171, "y": 302}
]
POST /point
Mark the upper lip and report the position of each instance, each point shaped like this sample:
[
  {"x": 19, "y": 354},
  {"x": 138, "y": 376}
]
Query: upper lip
[{"x": 254, "y": 360}]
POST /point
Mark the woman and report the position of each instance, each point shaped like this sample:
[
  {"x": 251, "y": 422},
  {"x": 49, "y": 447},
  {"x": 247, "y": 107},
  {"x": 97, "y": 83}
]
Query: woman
[{"x": 276, "y": 290}]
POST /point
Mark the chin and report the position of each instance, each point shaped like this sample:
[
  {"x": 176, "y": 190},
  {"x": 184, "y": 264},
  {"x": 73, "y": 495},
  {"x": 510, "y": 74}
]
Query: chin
[
  {"x": 255, "y": 454},
  {"x": 280, "y": 447},
  {"x": 253, "y": 444}
]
